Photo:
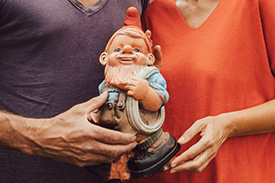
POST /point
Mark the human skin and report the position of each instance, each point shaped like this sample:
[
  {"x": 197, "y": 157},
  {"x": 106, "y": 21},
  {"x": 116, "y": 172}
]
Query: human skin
[
  {"x": 68, "y": 137},
  {"x": 88, "y": 3},
  {"x": 215, "y": 130}
]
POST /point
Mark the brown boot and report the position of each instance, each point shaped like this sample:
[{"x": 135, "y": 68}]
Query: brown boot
[{"x": 153, "y": 155}]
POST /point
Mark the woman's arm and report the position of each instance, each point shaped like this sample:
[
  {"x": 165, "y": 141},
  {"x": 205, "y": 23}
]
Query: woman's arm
[{"x": 215, "y": 130}]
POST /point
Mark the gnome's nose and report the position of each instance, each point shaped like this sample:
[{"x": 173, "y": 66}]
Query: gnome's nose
[{"x": 127, "y": 49}]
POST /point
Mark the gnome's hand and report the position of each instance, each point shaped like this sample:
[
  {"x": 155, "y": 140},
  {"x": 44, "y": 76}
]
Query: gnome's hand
[
  {"x": 137, "y": 87},
  {"x": 140, "y": 89}
]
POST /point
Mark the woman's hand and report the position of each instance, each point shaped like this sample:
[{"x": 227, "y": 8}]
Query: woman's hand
[{"x": 213, "y": 131}]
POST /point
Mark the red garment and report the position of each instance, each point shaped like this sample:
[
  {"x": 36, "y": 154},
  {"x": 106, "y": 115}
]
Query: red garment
[{"x": 224, "y": 65}]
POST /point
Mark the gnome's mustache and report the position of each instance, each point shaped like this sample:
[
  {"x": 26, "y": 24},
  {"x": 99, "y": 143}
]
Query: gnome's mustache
[{"x": 118, "y": 75}]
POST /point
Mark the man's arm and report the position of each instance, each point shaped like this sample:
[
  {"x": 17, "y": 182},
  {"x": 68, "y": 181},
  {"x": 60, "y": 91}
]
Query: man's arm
[{"x": 68, "y": 137}]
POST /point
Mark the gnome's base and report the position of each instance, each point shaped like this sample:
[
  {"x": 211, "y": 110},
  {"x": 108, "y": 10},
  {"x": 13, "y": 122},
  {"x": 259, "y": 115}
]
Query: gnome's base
[{"x": 154, "y": 160}]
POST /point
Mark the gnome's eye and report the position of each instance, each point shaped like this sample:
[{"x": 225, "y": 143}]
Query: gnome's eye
[
  {"x": 117, "y": 50},
  {"x": 136, "y": 50}
]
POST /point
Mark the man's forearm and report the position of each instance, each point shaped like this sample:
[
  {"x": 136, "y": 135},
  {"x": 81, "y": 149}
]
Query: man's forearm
[
  {"x": 68, "y": 137},
  {"x": 13, "y": 132}
]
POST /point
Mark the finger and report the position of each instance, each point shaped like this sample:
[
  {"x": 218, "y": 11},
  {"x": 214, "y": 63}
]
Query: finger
[
  {"x": 134, "y": 79},
  {"x": 129, "y": 84},
  {"x": 109, "y": 136},
  {"x": 112, "y": 152},
  {"x": 130, "y": 87},
  {"x": 90, "y": 159},
  {"x": 95, "y": 102},
  {"x": 122, "y": 84},
  {"x": 104, "y": 155},
  {"x": 130, "y": 92},
  {"x": 96, "y": 159},
  {"x": 85, "y": 159},
  {"x": 198, "y": 164},
  {"x": 93, "y": 117},
  {"x": 193, "y": 151},
  {"x": 195, "y": 129}
]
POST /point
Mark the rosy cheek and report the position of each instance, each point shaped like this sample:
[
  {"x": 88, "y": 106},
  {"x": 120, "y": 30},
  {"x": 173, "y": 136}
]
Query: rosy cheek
[
  {"x": 141, "y": 60},
  {"x": 112, "y": 60}
]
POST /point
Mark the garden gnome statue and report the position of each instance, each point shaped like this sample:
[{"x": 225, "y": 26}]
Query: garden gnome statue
[{"x": 137, "y": 95}]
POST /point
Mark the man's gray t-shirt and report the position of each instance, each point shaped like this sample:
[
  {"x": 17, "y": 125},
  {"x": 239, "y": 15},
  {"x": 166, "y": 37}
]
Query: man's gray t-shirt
[{"x": 49, "y": 52}]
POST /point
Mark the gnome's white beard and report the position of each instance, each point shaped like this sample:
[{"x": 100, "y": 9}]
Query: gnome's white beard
[{"x": 120, "y": 75}]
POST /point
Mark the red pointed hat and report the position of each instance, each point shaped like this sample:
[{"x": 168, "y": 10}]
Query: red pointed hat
[
  {"x": 132, "y": 17},
  {"x": 132, "y": 21}
]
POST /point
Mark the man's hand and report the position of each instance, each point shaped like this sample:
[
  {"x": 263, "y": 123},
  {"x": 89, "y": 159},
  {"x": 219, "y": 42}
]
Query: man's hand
[{"x": 70, "y": 137}]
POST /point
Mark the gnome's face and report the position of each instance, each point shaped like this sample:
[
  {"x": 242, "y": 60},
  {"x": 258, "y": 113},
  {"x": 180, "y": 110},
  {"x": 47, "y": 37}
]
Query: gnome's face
[
  {"x": 125, "y": 57},
  {"x": 128, "y": 50},
  {"x": 128, "y": 47}
]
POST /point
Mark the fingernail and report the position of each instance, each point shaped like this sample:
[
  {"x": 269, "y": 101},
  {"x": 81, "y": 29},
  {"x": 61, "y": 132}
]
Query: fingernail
[
  {"x": 172, "y": 171},
  {"x": 134, "y": 144},
  {"x": 181, "y": 140},
  {"x": 134, "y": 139},
  {"x": 173, "y": 165},
  {"x": 104, "y": 93}
]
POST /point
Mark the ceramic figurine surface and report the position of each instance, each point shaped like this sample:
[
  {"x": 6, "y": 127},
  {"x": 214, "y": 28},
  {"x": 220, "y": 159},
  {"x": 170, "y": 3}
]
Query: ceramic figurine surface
[{"x": 137, "y": 95}]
